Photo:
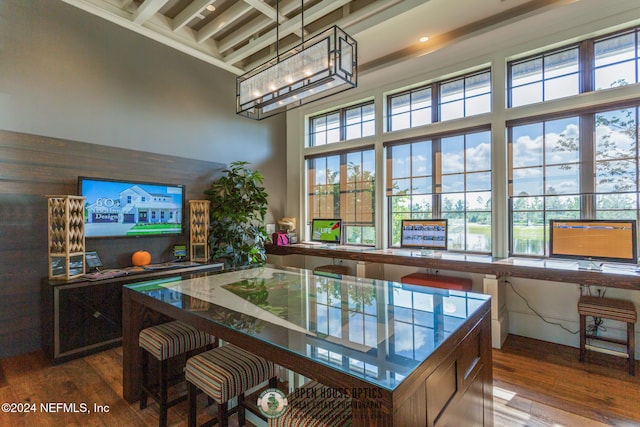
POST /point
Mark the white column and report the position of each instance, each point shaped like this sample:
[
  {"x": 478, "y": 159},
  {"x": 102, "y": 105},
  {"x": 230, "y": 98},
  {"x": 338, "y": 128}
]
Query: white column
[{"x": 495, "y": 286}]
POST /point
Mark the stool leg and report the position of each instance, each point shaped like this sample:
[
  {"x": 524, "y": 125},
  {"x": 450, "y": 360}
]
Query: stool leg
[
  {"x": 241, "y": 413},
  {"x": 583, "y": 338},
  {"x": 223, "y": 415},
  {"x": 163, "y": 384},
  {"x": 631, "y": 347},
  {"x": 192, "y": 394},
  {"x": 145, "y": 379}
]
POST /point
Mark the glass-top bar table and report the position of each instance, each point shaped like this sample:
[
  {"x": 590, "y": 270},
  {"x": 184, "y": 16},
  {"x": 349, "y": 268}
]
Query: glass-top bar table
[{"x": 408, "y": 355}]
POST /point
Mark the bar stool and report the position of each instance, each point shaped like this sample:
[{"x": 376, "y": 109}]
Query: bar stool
[
  {"x": 222, "y": 374},
  {"x": 164, "y": 342},
  {"x": 315, "y": 405},
  {"x": 613, "y": 309}
]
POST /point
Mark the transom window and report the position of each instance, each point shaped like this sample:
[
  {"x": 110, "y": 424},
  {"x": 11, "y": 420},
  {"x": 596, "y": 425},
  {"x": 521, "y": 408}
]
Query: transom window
[
  {"x": 463, "y": 96},
  {"x": 617, "y": 60},
  {"x": 593, "y": 64},
  {"x": 544, "y": 77},
  {"x": 343, "y": 124}
]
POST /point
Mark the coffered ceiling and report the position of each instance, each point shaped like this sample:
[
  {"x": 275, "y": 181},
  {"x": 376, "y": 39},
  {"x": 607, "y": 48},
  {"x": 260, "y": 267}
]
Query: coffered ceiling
[{"x": 238, "y": 35}]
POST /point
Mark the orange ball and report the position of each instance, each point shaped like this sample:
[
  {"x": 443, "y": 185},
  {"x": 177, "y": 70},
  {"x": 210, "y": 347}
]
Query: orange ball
[{"x": 140, "y": 258}]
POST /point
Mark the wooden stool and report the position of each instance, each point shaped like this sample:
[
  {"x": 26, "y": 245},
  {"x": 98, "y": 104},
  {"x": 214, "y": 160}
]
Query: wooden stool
[
  {"x": 613, "y": 309},
  {"x": 222, "y": 374},
  {"x": 164, "y": 342},
  {"x": 437, "y": 281},
  {"x": 314, "y": 404}
]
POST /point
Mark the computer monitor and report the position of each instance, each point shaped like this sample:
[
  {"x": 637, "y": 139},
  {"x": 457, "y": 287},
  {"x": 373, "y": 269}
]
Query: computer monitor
[
  {"x": 599, "y": 240},
  {"x": 430, "y": 234},
  {"x": 326, "y": 230}
]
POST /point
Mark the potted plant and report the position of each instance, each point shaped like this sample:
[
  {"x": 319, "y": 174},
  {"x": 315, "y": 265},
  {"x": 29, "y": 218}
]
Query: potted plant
[{"x": 238, "y": 207}]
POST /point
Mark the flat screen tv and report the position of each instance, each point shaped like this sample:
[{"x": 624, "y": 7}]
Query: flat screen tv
[
  {"x": 115, "y": 208},
  {"x": 428, "y": 234},
  {"x": 326, "y": 230},
  {"x": 600, "y": 240}
]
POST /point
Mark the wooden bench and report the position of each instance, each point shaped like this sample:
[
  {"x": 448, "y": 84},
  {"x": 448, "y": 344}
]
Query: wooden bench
[
  {"x": 613, "y": 309},
  {"x": 437, "y": 281},
  {"x": 333, "y": 268}
]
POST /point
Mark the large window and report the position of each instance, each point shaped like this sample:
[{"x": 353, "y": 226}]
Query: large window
[
  {"x": 342, "y": 186},
  {"x": 594, "y": 64},
  {"x": 343, "y": 124},
  {"x": 450, "y": 99},
  {"x": 443, "y": 177},
  {"x": 580, "y": 166}
]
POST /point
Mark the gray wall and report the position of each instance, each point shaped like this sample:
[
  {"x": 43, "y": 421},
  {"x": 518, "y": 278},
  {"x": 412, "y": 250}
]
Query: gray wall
[{"x": 67, "y": 74}]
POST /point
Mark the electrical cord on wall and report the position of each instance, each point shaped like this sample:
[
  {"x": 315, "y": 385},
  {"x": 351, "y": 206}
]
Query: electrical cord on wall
[
  {"x": 538, "y": 314},
  {"x": 596, "y": 326}
]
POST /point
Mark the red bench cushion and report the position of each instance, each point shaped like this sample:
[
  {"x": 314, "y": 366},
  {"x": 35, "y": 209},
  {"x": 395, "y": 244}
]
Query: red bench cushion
[{"x": 436, "y": 281}]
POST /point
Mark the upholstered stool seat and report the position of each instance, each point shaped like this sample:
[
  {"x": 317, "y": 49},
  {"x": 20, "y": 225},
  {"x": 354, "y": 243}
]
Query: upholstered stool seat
[
  {"x": 437, "y": 281},
  {"x": 164, "y": 342},
  {"x": 224, "y": 373},
  {"x": 315, "y": 405},
  {"x": 613, "y": 309}
]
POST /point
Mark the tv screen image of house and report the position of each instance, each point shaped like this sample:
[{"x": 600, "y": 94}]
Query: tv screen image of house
[
  {"x": 326, "y": 230},
  {"x": 424, "y": 234},
  {"x": 603, "y": 240},
  {"x": 115, "y": 208}
]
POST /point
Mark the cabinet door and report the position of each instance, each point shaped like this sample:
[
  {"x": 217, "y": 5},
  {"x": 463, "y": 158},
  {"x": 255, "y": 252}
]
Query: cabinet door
[{"x": 87, "y": 316}]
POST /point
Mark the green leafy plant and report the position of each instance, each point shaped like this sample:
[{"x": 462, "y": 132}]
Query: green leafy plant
[{"x": 238, "y": 207}]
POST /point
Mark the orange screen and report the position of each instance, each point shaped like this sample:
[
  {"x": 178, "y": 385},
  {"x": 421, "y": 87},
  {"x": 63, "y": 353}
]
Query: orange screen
[{"x": 593, "y": 239}]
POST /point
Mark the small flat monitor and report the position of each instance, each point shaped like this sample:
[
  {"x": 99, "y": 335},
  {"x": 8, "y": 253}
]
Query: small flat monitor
[
  {"x": 430, "y": 234},
  {"x": 600, "y": 240},
  {"x": 326, "y": 230},
  {"x": 180, "y": 251},
  {"x": 92, "y": 260}
]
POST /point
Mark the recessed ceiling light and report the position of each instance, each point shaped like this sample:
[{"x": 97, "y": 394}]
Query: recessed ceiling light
[
  {"x": 423, "y": 39},
  {"x": 211, "y": 8}
]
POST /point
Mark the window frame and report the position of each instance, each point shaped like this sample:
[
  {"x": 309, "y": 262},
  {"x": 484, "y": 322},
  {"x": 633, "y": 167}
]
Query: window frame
[
  {"x": 436, "y": 99},
  {"x": 342, "y": 123},
  {"x": 588, "y": 193},
  {"x": 436, "y": 193}
]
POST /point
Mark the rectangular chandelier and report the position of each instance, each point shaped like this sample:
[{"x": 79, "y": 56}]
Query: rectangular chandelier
[{"x": 322, "y": 66}]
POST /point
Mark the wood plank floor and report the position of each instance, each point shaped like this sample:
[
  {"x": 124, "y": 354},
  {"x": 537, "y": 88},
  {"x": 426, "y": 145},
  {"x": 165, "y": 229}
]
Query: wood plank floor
[{"x": 536, "y": 384}]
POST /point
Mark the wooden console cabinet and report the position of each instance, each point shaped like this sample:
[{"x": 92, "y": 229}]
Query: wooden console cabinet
[{"x": 81, "y": 317}]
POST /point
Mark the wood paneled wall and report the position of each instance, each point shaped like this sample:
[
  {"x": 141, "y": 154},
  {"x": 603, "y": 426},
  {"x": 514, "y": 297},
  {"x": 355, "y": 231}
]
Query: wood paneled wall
[{"x": 32, "y": 167}]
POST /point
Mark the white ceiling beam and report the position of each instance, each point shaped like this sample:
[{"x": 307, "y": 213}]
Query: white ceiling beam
[
  {"x": 314, "y": 13},
  {"x": 271, "y": 13},
  {"x": 255, "y": 26},
  {"x": 226, "y": 18},
  {"x": 189, "y": 12},
  {"x": 162, "y": 32},
  {"x": 147, "y": 9},
  {"x": 264, "y": 8}
]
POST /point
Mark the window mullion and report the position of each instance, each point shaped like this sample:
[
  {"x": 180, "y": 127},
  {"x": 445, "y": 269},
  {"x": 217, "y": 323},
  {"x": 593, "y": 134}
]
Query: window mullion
[
  {"x": 587, "y": 166},
  {"x": 436, "y": 211},
  {"x": 435, "y": 100},
  {"x": 587, "y": 58}
]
